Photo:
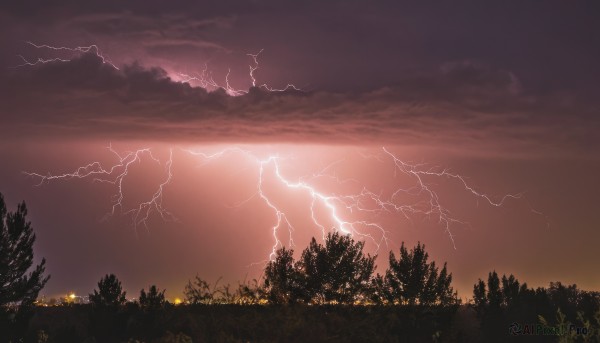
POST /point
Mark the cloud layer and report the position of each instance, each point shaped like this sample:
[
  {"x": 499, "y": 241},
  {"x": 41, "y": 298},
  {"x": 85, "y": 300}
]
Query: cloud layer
[{"x": 464, "y": 105}]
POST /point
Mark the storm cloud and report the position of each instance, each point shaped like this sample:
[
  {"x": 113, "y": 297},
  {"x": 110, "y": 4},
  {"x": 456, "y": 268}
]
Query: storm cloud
[{"x": 462, "y": 104}]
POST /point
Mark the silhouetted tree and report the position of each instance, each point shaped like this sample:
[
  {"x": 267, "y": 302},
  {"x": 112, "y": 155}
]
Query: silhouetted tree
[
  {"x": 152, "y": 300},
  {"x": 337, "y": 271},
  {"x": 480, "y": 296},
  {"x": 109, "y": 293},
  {"x": 442, "y": 293},
  {"x": 200, "y": 292},
  {"x": 16, "y": 257},
  {"x": 149, "y": 323},
  {"x": 565, "y": 298},
  {"x": 18, "y": 288},
  {"x": 249, "y": 293},
  {"x": 412, "y": 280},
  {"x": 570, "y": 305},
  {"x": 505, "y": 292},
  {"x": 589, "y": 303},
  {"x": 512, "y": 290},
  {"x": 503, "y": 301},
  {"x": 282, "y": 279},
  {"x": 494, "y": 293}
]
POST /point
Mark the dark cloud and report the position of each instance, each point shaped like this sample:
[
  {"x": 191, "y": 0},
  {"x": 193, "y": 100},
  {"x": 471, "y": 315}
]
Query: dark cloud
[
  {"x": 478, "y": 78},
  {"x": 466, "y": 106},
  {"x": 333, "y": 45},
  {"x": 165, "y": 34}
]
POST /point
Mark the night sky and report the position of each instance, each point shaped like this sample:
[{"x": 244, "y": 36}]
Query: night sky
[{"x": 504, "y": 95}]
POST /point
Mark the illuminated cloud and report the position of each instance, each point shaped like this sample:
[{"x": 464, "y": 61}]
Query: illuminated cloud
[{"x": 464, "y": 106}]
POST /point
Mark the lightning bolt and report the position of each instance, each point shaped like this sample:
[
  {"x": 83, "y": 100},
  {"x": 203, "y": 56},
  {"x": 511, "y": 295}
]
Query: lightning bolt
[
  {"x": 205, "y": 78},
  {"x": 264, "y": 86},
  {"x": 116, "y": 175},
  {"x": 434, "y": 208},
  {"x": 77, "y": 50},
  {"x": 340, "y": 209},
  {"x": 254, "y": 67},
  {"x": 330, "y": 202}
]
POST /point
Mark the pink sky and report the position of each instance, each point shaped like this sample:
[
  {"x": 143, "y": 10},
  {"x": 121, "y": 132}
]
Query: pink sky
[{"x": 498, "y": 94}]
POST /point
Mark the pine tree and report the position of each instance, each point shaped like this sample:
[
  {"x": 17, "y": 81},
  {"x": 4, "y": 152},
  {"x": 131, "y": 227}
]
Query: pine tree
[
  {"x": 153, "y": 299},
  {"x": 109, "y": 293},
  {"x": 18, "y": 288},
  {"x": 16, "y": 258}
]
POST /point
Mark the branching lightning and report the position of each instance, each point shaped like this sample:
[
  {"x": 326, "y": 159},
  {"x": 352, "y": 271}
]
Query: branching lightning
[
  {"x": 116, "y": 175},
  {"x": 330, "y": 202},
  {"x": 341, "y": 209},
  {"x": 76, "y": 50},
  {"x": 204, "y": 79},
  {"x": 434, "y": 207}
]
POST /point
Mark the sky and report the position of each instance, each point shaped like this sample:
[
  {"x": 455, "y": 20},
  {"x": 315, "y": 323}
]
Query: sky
[{"x": 212, "y": 132}]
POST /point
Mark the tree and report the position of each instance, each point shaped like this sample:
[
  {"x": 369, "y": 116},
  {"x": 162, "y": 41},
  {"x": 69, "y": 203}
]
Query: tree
[
  {"x": 505, "y": 293},
  {"x": 512, "y": 291},
  {"x": 503, "y": 301},
  {"x": 152, "y": 317},
  {"x": 282, "y": 279},
  {"x": 109, "y": 293},
  {"x": 337, "y": 272},
  {"x": 18, "y": 288},
  {"x": 480, "y": 296},
  {"x": 200, "y": 292},
  {"x": 412, "y": 280},
  {"x": 152, "y": 300},
  {"x": 495, "y": 297},
  {"x": 107, "y": 318},
  {"x": 249, "y": 293},
  {"x": 564, "y": 297},
  {"x": 16, "y": 257}
]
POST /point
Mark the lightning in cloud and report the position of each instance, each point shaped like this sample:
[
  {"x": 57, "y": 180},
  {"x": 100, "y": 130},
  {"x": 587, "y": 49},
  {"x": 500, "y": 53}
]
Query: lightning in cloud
[
  {"x": 264, "y": 86},
  {"x": 204, "y": 79},
  {"x": 254, "y": 67},
  {"x": 79, "y": 50}
]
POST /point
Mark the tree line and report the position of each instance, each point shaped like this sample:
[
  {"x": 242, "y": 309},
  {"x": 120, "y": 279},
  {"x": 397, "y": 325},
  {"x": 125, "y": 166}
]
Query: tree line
[
  {"x": 561, "y": 311},
  {"x": 336, "y": 272},
  {"x": 414, "y": 294}
]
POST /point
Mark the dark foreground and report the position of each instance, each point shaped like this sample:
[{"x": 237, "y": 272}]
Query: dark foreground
[
  {"x": 234, "y": 323},
  {"x": 255, "y": 323}
]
